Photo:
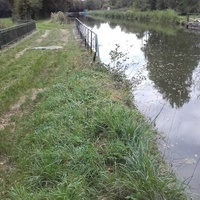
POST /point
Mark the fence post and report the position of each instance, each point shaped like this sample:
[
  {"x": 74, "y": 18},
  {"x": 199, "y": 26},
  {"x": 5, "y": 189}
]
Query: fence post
[
  {"x": 188, "y": 17},
  {"x": 91, "y": 41}
]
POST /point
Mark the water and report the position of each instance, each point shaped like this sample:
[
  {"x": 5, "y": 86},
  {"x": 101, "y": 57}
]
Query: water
[{"x": 167, "y": 64}]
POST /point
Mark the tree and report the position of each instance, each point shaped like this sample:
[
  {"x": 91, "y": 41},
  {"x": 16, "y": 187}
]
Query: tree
[
  {"x": 55, "y": 6},
  {"x": 92, "y": 4},
  {"x": 161, "y": 4},
  {"x": 27, "y": 9},
  {"x": 142, "y": 5},
  {"x": 5, "y": 8},
  {"x": 188, "y": 6},
  {"x": 181, "y": 6}
]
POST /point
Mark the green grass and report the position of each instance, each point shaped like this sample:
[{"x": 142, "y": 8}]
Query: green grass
[
  {"x": 32, "y": 70},
  {"x": 77, "y": 138},
  {"x": 167, "y": 16},
  {"x": 6, "y": 22}
]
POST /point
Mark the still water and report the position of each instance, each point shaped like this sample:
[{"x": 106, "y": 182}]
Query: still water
[{"x": 166, "y": 62}]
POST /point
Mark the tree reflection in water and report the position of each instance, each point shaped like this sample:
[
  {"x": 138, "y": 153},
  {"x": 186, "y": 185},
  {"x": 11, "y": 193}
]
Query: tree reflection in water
[{"x": 171, "y": 62}]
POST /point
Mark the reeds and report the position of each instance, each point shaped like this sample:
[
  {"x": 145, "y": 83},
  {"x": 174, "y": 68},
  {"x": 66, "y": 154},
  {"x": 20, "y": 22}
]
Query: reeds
[{"x": 166, "y": 16}]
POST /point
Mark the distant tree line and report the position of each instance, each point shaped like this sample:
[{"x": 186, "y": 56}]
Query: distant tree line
[
  {"x": 27, "y": 9},
  {"x": 181, "y": 6},
  {"x": 6, "y": 8}
]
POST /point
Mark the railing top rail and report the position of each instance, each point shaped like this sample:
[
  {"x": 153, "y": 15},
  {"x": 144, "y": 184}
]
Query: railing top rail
[
  {"x": 85, "y": 26},
  {"x": 16, "y": 26}
]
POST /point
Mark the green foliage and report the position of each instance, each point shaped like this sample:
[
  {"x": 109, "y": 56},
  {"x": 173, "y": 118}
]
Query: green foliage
[
  {"x": 167, "y": 16},
  {"x": 92, "y": 5},
  {"x": 27, "y": 9},
  {"x": 59, "y": 17},
  {"x": 117, "y": 61},
  {"x": 182, "y": 6},
  {"x": 6, "y": 22},
  {"x": 6, "y": 4}
]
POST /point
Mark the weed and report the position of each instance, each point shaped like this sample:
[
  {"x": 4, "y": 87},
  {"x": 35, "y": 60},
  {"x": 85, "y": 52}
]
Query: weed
[{"x": 59, "y": 17}]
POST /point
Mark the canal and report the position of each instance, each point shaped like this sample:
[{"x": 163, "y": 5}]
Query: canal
[{"x": 164, "y": 63}]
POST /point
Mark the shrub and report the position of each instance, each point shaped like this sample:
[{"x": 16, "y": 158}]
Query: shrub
[{"x": 59, "y": 17}]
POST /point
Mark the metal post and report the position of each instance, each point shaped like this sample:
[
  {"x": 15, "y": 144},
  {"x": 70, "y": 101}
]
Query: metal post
[
  {"x": 91, "y": 42},
  {"x": 188, "y": 17},
  {"x": 87, "y": 35}
]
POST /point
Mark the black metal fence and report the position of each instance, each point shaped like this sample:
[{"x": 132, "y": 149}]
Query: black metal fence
[
  {"x": 11, "y": 34},
  {"x": 90, "y": 38}
]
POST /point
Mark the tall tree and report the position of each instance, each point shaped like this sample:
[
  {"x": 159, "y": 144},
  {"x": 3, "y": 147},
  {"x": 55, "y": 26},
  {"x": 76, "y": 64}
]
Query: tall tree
[
  {"x": 5, "y": 4},
  {"x": 5, "y": 8},
  {"x": 142, "y": 5},
  {"x": 55, "y": 6},
  {"x": 181, "y": 6},
  {"x": 187, "y": 6},
  {"x": 27, "y": 9},
  {"x": 92, "y": 4}
]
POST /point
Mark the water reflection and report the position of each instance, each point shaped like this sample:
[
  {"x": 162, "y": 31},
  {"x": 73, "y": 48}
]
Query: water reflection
[
  {"x": 171, "y": 61},
  {"x": 172, "y": 57},
  {"x": 170, "y": 94}
]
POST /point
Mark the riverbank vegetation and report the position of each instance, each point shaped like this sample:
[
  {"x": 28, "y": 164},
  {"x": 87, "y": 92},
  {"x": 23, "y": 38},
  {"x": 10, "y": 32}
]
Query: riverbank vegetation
[
  {"x": 70, "y": 131},
  {"x": 167, "y": 16},
  {"x": 25, "y": 9},
  {"x": 137, "y": 26}
]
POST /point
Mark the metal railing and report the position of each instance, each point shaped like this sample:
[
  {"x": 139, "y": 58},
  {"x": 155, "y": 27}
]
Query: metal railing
[
  {"x": 90, "y": 38},
  {"x": 12, "y": 34}
]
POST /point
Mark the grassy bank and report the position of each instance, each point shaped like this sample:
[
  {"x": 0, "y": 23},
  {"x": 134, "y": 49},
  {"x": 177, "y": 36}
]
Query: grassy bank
[
  {"x": 6, "y": 22},
  {"x": 166, "y": 16},
  {"x": 69, "y": 131}
]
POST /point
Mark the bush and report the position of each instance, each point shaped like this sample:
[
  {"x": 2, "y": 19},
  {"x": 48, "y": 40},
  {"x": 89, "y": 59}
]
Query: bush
[{"x": 59, "y": 17}]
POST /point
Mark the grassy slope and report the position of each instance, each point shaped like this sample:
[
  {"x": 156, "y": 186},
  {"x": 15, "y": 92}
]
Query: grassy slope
[
  {"x": 73, "y": 136},
  {"x": 6, "y": 22}
]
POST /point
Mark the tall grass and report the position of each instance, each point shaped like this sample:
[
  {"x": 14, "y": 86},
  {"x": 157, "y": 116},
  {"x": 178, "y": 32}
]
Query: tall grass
[
  {"x": 6, "y": 22},
  {"x": 166, "y": 16},
  {"x": 77, "y": 139}
]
